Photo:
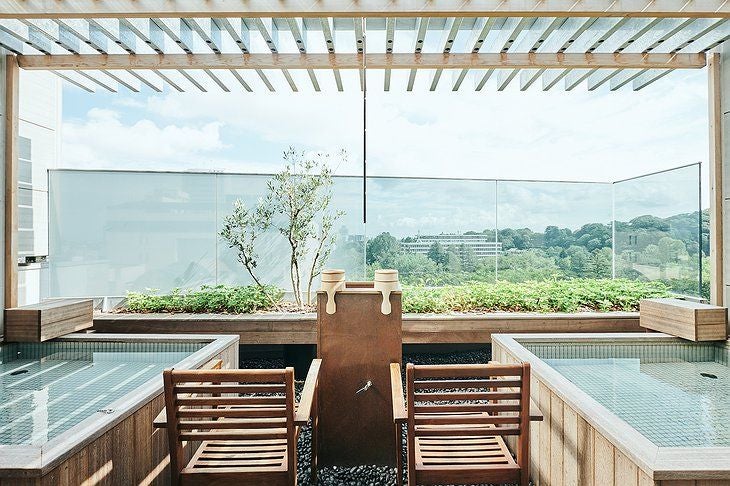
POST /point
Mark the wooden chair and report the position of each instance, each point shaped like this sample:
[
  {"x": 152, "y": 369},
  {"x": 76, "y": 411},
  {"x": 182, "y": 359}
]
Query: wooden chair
[
  {"x": 457, "y": 417},
  {"x": 246, "y": 421}
]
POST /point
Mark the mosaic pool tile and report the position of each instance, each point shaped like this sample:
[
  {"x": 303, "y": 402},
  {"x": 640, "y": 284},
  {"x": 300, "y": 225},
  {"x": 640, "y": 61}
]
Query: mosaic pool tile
[
  {"x": 47, "y": 388},
  {"x": 674, "y": 394}
]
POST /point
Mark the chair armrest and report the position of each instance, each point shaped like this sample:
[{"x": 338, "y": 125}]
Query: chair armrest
[
  {"x": 310, "y": 387},
  {"x": 535, "y": 413},
  {"x": 396, "y": 389},
  {"x": 160, "y": 422}
]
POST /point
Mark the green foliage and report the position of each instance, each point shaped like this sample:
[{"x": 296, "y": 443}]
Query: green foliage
[
  {"x": 572, "y": 295},
  {"x": 382, "y": 248},
  {"x": 209, "y": 299}
]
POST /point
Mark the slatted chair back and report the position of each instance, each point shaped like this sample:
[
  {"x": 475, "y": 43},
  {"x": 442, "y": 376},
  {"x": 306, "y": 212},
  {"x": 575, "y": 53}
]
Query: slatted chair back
[
  {"x": 460, "y": 402},
  {"x": 223, "y": 407}
]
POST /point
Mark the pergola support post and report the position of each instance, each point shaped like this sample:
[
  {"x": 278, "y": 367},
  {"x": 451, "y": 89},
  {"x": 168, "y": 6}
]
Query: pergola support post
[{"x": 12, "y": 88}]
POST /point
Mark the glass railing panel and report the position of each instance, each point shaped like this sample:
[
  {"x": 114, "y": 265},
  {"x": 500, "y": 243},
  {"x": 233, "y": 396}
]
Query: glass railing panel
[
  {"x": 657, "y": 229},
  {"x": 112, "y": 232},
  {"x": 553, "y": 230},
  {"x": 433, "y": 231}
]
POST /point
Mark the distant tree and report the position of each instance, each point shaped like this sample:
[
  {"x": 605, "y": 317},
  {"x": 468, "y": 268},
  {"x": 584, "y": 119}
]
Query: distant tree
[
  {"x": 601, "y": 263},
  {"x": 437, "y": 254},
  {"x": 469, "y": 260},
  {"x": 593, "y": 236},
  {"x": 575, "y": 261},
  {"x": 452, "y": 260},
  {"x": 649, "y": 222},
  {"x": 561, "y": 237},
  {"x": 533, "y": 264},
  {"x": 382, "y": 249}
]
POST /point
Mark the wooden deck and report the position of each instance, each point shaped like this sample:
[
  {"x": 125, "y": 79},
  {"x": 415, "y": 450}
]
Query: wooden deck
[{"x": 417, "y": 328}]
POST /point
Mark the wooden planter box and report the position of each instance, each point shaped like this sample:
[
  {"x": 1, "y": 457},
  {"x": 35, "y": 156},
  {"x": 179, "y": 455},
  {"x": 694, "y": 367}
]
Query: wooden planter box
[
  {"x": 287, "y": 328},
  {"x": 48, "y": 320},
  {"x": 684, "y": 319}
]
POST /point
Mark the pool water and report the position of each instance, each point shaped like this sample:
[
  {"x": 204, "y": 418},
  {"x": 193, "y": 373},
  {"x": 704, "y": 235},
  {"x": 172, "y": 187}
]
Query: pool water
[
  {"x": 676, "y": 395},
  {"x": 47, "y": 388}
]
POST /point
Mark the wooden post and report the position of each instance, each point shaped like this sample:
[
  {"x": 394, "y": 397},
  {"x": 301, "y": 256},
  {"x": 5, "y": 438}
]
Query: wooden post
[
  {"x": 717, "y": 288},
  {"x": 357, "y": 344},
  {"x": 12, "y": 87}
]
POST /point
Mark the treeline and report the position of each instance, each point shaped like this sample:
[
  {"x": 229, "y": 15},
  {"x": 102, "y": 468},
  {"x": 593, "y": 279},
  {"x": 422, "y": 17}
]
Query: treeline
[{"x": 668, "y": 247}]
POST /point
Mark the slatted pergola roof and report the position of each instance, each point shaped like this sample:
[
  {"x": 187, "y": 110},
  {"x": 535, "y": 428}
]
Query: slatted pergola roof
[{"x": 438, "y": 44}]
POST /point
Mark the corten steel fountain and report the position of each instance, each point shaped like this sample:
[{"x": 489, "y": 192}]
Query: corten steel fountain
[{"x": 357, "y": 341}]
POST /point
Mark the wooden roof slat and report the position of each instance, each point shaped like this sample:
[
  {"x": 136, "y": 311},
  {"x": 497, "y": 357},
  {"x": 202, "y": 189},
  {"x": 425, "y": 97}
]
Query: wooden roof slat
[
  {"x": 217, "y": 80},
  {"x": 648, "y": 77},
  {"x": 270, "y": 32},
  {"x": 168, "y": 79},
  {"x": 99, "y": 79},
  {"x": 624, "y": 77},
  {"x": 298, "y": 29},
  {"x": 30, "y": 35},
  {"x": 534, "y": 43},
  {"x": 11, "y": 42},
  {"x": 148, "y": 32},
  {"x": 366, "y": 8},
  {"x": 149, "y": 81},
  {"x": 389, "y": 37},
  {"x": 241, "y": 36},
  {"x": 76, "y": 80},
  {"x": 191, "y": 78},
  {"x": 117, "y": 32},
  {"x": 242, "y": 81},
  {"x": 178, "y": 31},
  {"x": 237, "y": 31},
  {"x": 329, "y": 40},
  {"x": 421, "y": 28},
  {"x": 122, "y": 77},
  {"x": 209, "y": 32},
  {"x": 89, "y": 34},
  {"x": 451, "y": 29},
  {"x": 702, "y": 34},
  {"x": 637, "y": 41}
]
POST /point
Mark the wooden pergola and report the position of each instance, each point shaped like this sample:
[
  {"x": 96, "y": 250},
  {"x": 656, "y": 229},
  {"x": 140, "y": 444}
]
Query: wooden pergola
[{"x": 187, "y": 44}]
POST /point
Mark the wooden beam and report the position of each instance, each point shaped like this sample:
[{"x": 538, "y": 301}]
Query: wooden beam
[
  {"x": 355, "y": 61},
  {"x": 364, "y": 8},
  {"x": 12, "y": 85},
  {"x": 716, "y": 197}
]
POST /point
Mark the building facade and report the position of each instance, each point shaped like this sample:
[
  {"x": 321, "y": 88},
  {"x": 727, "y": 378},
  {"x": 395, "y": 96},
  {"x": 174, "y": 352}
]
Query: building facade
[{"x": 482, "y": 245}]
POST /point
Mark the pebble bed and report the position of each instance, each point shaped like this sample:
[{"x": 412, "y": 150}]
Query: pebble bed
[{"x": 360, "y": 475}]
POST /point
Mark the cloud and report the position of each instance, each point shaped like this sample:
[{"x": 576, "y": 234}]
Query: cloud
[{"x": 102, "y": 140}]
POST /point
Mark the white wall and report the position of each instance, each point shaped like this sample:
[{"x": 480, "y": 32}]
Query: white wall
[{"x": 39, "y": 130}]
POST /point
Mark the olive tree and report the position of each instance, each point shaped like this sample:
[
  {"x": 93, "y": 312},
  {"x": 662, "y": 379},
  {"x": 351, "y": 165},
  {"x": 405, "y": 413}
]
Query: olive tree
[
  {"x": 300, "y": 196},
  {"x": 297, "y": 205},
  {"x": 241, "y": 229}
]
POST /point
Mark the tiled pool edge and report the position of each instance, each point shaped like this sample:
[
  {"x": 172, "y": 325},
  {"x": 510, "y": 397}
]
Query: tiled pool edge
[
  {"x": 599, "y": 444},
  {"x": 38, "y": 461}
]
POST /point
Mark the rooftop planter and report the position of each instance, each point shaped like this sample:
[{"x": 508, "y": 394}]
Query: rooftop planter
[{"x": 291, "y": 328}]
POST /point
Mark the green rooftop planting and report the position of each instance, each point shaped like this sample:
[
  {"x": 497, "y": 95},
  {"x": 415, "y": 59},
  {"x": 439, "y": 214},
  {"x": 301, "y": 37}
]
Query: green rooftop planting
[
  {"x": 208, "y": 299},
  {"x": 570, "y": 295}
]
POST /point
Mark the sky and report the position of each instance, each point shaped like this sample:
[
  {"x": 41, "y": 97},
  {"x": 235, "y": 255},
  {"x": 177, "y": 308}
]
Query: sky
[{"x": 579, "y": 135}]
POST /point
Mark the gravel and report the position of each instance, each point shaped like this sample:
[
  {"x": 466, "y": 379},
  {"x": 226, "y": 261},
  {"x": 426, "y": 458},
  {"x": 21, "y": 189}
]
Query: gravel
[{"x": 365, "y": 475}]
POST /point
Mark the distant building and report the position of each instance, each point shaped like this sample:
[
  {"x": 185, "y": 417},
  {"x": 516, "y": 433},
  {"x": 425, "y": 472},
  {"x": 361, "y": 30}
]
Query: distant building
[{"x": 482, "y": 245}]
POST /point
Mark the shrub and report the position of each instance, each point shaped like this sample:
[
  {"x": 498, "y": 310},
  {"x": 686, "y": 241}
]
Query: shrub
[
  {"x": 209, "y": 299},
  {"x": 572, "y": 295}
]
